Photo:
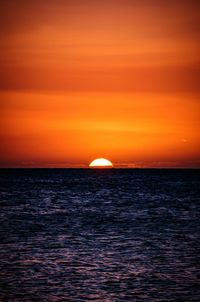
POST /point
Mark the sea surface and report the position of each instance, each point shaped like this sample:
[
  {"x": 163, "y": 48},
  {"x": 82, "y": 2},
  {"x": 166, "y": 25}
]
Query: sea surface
[{"x": 99, "y": 235}]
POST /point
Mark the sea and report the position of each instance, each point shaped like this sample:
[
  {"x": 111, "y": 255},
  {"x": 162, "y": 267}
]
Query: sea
[{"x": 99, "y": 235}]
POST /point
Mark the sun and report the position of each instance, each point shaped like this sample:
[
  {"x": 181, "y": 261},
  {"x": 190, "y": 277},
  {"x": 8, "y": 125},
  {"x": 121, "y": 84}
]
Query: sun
[{"x": 101, "y": 163}]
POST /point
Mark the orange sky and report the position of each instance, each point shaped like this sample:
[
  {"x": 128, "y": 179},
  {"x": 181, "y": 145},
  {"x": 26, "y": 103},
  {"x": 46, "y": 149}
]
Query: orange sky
[{"x": 82, "y": 79}]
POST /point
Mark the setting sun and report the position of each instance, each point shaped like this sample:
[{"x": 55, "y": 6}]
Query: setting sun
[{"x": 101, "y": 163}]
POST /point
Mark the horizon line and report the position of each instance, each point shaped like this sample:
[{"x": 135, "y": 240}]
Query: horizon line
[{"x": 102, "y": 168}]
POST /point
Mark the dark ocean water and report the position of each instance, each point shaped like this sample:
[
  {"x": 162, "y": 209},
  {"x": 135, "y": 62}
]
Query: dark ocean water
[{"x": 99, "y": 235}]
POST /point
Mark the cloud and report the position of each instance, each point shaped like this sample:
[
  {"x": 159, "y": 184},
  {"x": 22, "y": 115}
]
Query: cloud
[
  {"x": 140, "y": 79},
  {"x": 100, "y": 45}
]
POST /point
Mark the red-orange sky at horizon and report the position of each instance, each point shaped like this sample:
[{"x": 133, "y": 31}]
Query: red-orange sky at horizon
[{"x": 87, "y": 79}]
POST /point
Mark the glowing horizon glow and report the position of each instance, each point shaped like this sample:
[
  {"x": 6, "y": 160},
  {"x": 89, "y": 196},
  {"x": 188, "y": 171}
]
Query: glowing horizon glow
[{"x": 101, "y": 163}]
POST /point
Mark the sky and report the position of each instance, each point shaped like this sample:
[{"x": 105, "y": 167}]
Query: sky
[{"x": 82, "y": 79}]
